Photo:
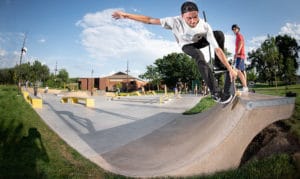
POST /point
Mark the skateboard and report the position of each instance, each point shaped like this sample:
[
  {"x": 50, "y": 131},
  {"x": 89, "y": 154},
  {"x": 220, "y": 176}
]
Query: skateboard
[
  {"x": 235, "y": 100},
  {"x": 232, "y": 88},
  {"x": 235, "y": 95}
]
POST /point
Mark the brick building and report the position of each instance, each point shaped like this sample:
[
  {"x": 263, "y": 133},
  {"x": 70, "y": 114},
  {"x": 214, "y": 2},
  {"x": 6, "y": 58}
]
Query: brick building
[{"x": 110, "y": 83}]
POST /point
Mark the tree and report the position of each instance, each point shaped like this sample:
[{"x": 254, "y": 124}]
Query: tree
[
  {"x": 251, "y": 75},
  {"x": 62, "y": 77},
  {"x": 35, "y": 72},
  {"x": 7, "y": 76},
  {"x": 266, "y": 60},
  {"x": 175, "y": 67},
  {"x": 152, "y": 75},
  {"x": 276, "y": 59},
  {"x": 272, "y": 59},
  {"x": 23, "y": 71},
  {"x": 45, "y": 73},
  {"x": 39, "y": 72},
  {"x": 288, "y": 49}
]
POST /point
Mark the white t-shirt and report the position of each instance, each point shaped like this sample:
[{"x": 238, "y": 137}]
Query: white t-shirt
[{"x": 184, "y": 34}]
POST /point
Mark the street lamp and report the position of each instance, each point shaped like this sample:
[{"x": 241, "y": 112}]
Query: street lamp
[
  {"x": 92, "y": 82},
  {"x": 127, "y": 70},
  {"x": 23, "y": 51}
]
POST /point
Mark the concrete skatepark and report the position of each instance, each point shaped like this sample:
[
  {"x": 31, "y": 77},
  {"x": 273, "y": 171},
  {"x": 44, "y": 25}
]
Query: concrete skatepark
[{"x": 139, "y": 137}]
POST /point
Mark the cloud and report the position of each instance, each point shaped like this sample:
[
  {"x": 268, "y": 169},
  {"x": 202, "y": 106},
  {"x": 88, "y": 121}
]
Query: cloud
[
  {"x": 256, "y": 42},
  {"x": 8, "y": 60},
  {"x": 113, "y": 42},
  {"x": 291, "y": 29},
  {"x": 9, "y": 54},
  {"x": 2, "y": 53},
  {"x": 230, "y": 43},
  {"x": 42, "y": 40}
]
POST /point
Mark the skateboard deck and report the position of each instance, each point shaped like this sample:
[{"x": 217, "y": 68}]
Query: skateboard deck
[{"x": 235, "y": 99}]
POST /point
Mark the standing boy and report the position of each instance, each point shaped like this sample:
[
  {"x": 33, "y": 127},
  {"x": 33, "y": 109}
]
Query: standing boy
[
  {"x": 193, "y": 33},
  {"x": 240, "y": 56}
]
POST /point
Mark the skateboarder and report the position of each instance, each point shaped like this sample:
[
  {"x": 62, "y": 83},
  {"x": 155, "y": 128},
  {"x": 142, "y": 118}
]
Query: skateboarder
[
  {"x": 240, "y": 56},
  {"x": 193, "y": 33}
]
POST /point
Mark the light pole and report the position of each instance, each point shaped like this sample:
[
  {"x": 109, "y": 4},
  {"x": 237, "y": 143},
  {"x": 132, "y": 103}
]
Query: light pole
[
  {"x": 92, "y": 82},
  {"x": 127, "y": 70},
  {"x": 23, "y": 51}
]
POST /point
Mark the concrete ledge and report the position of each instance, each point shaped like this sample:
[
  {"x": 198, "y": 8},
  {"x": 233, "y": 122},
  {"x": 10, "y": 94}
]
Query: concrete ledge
[
  {"x": 36, "y": 102},
  {"x": 111, "y": 95},
  {"x": 89, "y": 102},
  {"x": 25, "y": 95},
  {"x": 165, "y": 98},
  {"x": 151, "y": 93}
]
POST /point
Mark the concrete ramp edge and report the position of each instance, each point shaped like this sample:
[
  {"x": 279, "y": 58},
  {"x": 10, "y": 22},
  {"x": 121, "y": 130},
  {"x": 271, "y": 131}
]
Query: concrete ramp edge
[{"x": 212, "y": 141}]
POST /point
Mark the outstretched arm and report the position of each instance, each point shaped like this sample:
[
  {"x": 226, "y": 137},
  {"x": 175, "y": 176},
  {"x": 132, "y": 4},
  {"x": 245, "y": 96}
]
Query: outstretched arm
[
  {"x": 136, "y": 17},
  {"x": 224, "y": 60}
]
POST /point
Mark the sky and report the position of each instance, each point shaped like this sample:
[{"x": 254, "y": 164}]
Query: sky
[{"x": 82, "y": 37}]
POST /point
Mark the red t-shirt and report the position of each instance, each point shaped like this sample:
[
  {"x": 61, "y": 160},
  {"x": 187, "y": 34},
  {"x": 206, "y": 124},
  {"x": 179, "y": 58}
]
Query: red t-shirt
[{"x": 240, "y": 39}]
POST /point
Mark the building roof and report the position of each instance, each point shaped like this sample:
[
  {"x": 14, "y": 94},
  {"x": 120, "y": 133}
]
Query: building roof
[{"x": 121, "y": 75}]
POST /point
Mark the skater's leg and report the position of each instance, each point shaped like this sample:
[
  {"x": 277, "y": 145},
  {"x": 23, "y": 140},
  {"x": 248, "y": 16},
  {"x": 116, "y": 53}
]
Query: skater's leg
[
  {"x": 228, "y": 93},
  {"x": 220, "y": 38},
  {"x": 203, "y": 67},
  {"x": 227, "y": 84},
  {"x": 219, "y": 35}
]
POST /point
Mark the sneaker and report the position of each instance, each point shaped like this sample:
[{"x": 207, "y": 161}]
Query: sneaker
[
  {"x": 245, "y": 90},
  {"x": 216, "y": 97},
  {"x": 226, "y": 99}
]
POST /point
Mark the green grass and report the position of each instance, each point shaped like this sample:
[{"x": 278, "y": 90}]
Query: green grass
[
  {"x": 204, "y": 104},
  {"x": 277, "y": 166},
  {"x": 29, "y": 149}
]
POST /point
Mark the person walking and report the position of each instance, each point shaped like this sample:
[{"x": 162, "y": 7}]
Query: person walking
[
  {"x": 240, "y": 56},
  {"x": 192, "y": 33}
]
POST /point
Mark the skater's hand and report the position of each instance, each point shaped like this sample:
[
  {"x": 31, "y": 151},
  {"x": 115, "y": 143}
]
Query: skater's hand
[
  {"x": 233, "y": 75},
  {"x": 119, "y": 15}
]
